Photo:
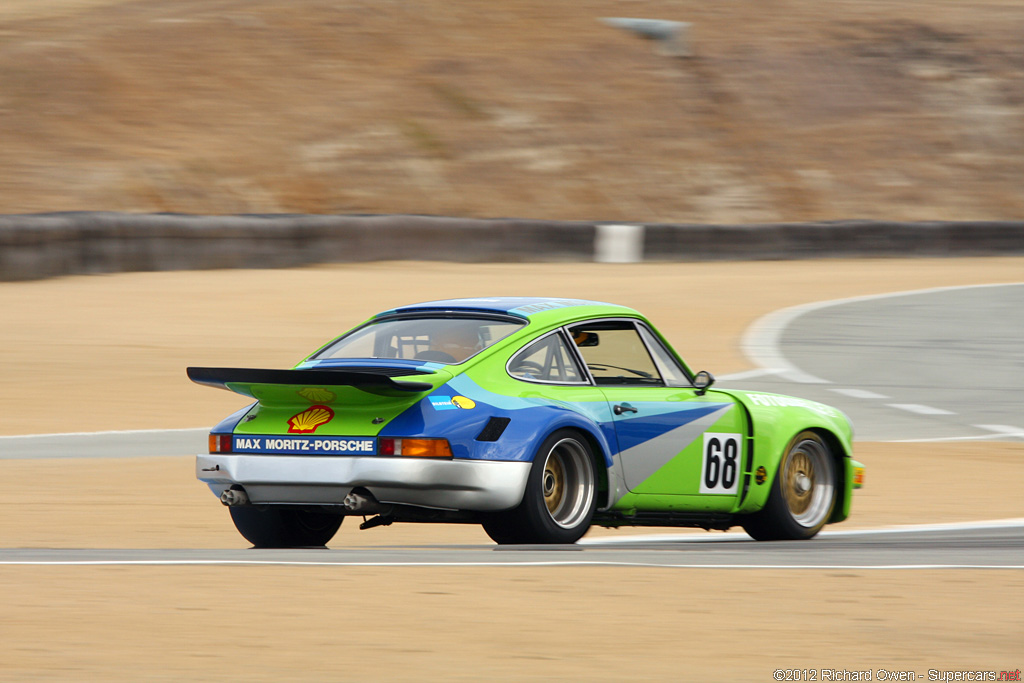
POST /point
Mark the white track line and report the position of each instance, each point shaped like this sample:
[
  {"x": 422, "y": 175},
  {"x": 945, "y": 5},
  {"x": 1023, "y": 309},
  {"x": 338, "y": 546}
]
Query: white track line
[
  {"x": 103, "y": 433},
  {"x": 556, "y": 563},
  {"x": 919, "y": 409},
  {"x": 762, "y": 341},
  {"x": 942, "y": 439},
  {"x": 748, "y": 374},
  {"x": 828, "y": 533},
  {"x": 1004, "y": 430},
  {"x": 857, "y": 393}
]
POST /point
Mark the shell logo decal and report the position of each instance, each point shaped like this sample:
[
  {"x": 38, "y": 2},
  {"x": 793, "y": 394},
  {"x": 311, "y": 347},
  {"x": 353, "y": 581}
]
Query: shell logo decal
[
  {"x": 317, "y": 395},
  {"x": 308, "y": 420}
]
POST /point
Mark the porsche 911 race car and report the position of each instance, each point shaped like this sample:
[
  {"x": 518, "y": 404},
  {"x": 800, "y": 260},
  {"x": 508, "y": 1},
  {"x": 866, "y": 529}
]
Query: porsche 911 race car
[{"x": 535, "y": 418}]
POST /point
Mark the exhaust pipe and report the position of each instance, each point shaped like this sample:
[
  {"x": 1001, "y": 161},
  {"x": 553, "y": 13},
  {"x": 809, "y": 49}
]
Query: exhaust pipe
[
  {"x": 362, "y": 502},
  {"x": 234, "y": 497}
]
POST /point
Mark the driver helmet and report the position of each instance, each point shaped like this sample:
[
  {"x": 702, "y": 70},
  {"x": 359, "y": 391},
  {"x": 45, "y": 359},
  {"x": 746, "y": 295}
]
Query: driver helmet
[{"x": 458, "y": 340}]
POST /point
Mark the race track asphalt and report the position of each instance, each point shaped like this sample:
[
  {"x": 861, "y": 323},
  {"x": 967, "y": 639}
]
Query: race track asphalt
[
  {"x": 996, "y": 545},
  {"x": 935, "y": 365}
]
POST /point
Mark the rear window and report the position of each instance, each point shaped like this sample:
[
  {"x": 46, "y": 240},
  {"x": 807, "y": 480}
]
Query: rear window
[{"x": 438, "y": 339}]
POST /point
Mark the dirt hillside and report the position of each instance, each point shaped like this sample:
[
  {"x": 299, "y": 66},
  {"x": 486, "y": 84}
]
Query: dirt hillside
[{"x": 788, "y": 110}]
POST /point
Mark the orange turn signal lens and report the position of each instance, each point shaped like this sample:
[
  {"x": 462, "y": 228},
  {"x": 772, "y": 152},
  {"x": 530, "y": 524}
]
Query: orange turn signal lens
[
  {"x": 426, "y": 448},
  {"x": 415, "y": 448}
]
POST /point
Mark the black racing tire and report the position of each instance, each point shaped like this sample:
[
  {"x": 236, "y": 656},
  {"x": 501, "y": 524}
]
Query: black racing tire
[
  {"x": 281, "y": 526},
  {"x": 803, "y": 494},
  {"x": 560, "y": 498},
  {"x": 502, "y": 528}
]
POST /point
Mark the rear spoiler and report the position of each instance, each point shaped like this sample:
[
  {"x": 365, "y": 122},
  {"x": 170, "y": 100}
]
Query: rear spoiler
[{"x": 370, "y": 382}]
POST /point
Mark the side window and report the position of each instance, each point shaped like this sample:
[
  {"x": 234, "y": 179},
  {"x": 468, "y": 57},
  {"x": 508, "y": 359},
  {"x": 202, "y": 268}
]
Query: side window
[
  {"x": 667, "y": 365},
  {"x": 546, "y": 360},
  {"x": 615, "y": 354}
]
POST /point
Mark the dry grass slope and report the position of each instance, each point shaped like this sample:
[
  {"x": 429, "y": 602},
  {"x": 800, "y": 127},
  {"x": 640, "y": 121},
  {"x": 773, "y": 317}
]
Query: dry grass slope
[{"x": 791, "y": 110}]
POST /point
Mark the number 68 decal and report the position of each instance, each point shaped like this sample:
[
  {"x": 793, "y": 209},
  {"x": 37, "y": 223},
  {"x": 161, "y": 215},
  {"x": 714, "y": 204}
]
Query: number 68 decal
[{"x": 720, "y": 469}]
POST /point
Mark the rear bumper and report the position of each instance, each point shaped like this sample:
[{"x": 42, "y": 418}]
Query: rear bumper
[{"x": 320, "y": 480}]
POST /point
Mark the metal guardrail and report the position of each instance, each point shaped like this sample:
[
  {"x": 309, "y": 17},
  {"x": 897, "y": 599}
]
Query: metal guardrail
[{"x": 44, "y": 245}]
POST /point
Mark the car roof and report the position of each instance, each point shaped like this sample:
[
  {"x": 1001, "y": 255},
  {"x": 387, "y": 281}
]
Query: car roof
[{"x": 523, "y": 307}]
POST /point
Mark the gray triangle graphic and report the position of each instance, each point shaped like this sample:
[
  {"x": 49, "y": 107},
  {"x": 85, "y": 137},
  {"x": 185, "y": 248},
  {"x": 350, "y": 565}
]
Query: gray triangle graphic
[{"x": 643, "y": 460}]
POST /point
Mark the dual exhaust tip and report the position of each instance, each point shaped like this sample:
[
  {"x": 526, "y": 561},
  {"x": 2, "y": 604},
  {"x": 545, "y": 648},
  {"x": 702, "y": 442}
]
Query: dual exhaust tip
[{"x": 358, "y": 501}]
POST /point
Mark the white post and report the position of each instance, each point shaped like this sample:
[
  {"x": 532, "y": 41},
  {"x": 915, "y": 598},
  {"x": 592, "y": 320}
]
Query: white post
[{"x": 619, "y": 243}]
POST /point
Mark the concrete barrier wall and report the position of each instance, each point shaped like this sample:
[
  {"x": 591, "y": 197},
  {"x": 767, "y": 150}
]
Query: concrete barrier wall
[
  {"x": 833, "y": 240},
  {"x": 45, "y": 245}
]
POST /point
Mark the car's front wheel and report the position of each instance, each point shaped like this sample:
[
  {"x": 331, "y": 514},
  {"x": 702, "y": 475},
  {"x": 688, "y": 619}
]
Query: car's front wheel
[
  {"x": 280, "y": 526},
  {"x": 802, "y": 496},
  {"x": 560, "y": 498}
]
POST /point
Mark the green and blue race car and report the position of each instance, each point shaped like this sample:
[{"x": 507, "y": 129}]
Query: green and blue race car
[{"x": 535, "y": 418}]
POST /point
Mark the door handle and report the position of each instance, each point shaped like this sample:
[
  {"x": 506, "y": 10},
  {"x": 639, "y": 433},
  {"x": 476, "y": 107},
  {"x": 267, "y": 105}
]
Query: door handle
[{"x": 621, "y": 408}]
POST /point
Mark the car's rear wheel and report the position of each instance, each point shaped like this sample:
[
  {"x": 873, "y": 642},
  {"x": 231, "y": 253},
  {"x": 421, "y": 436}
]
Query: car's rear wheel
[
  {"x": 279, "y": 526},
  {"x": 560, "y": 498},
  {"x": 503, "y": 528},
  {"x": 802, "y": 496}
]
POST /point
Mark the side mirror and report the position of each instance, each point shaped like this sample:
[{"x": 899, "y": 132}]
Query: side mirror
[{"x": 702, "y": 381}]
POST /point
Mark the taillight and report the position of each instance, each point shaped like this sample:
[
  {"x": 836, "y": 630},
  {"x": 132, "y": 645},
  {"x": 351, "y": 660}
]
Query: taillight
[
  {"x": 414, "y": 448},
  {"x": 220, "y": 443}
]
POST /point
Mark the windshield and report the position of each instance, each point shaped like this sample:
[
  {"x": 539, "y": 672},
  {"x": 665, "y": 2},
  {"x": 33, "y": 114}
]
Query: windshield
[{"x": 442, "y": 340}]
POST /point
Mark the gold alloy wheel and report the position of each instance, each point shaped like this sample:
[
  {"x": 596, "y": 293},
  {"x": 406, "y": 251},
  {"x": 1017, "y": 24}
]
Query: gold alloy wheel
[
  {"x": 799, "y": 476},
  {"x": 568, "y": 483},
  {"x": 808, "y": 482},
  {"x": 554, "y": 483}
]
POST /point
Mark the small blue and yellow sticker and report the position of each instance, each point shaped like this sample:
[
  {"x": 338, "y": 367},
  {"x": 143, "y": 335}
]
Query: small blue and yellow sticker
[{"x": 452, "y": 402}]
